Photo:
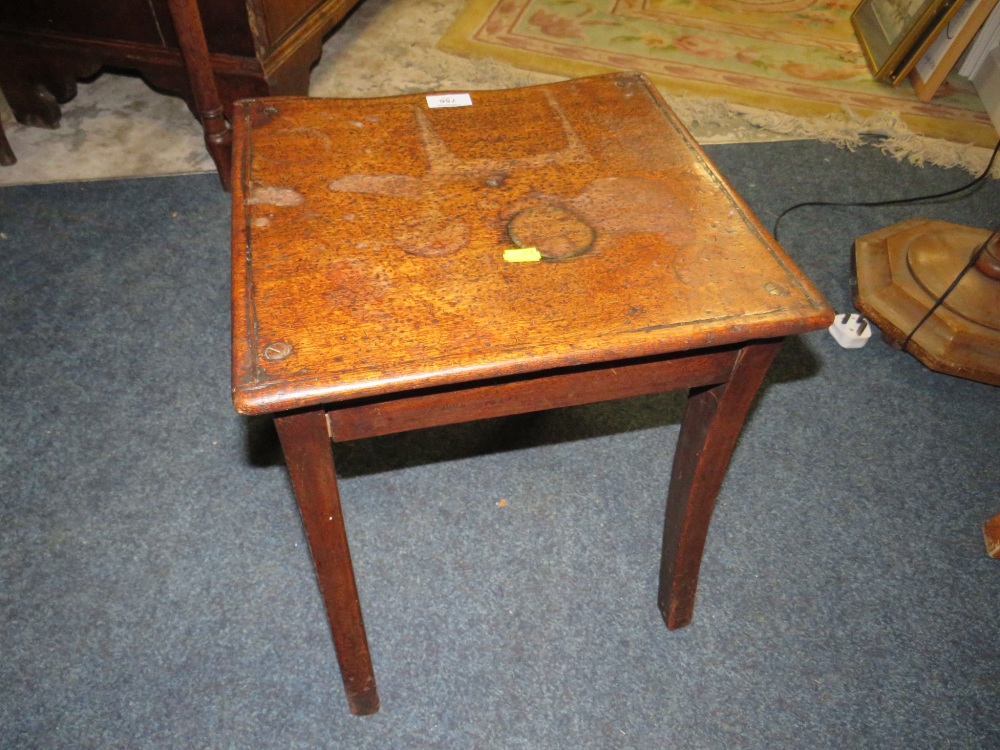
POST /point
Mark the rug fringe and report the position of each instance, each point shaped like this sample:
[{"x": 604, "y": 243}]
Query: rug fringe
[{"x": 885, "y": 130}]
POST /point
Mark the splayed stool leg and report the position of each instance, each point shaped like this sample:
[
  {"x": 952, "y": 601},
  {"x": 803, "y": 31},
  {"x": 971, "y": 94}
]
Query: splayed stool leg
[
  {"x": 711, "y": 425},
  {"x": 305, "y": 439}
]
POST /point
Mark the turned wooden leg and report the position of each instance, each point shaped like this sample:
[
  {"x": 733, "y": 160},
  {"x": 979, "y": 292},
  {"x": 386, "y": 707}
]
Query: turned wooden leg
[
  {"x": 211, "y": 112},
  {"x": 710, "y": 427},
  {"x": 305, "y": 440}
]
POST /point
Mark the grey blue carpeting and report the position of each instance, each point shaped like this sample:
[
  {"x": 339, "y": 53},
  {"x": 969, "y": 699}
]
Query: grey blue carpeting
[{"x": 156, "y": 589}]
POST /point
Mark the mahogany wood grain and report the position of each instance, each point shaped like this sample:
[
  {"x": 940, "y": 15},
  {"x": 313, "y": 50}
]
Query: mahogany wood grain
[
  {"x": 518, "y": 395},
  {"x": 713, "y": 417},
  {"x": 371, "y": 294},
  {"x": 306, "y": 444}
]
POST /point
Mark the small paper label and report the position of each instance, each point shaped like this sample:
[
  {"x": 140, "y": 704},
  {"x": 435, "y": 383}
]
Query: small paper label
[
  {"x": 521, "y": 255},
  {"x": 438, "y": 101}
]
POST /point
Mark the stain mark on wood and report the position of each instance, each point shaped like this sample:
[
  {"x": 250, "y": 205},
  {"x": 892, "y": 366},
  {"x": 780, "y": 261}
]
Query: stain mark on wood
[
  {"x": 269, "y": 195},
  {"x": 444, "y": 162},
  {"x": 557, "y": 232},
  {"x": 399, "y": 185},
  {"x": 432, "y": 235}
]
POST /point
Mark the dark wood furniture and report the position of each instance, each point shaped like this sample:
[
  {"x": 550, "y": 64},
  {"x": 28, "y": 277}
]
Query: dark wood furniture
[
  {"x": 254, "y": 48},
  {"x": 7, "y": 156},
  {"x": 371, "y": 293}
]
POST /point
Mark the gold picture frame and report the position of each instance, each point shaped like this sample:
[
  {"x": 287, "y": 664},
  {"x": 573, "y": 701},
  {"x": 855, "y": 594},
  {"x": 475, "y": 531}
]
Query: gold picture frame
[{"x": 894, "y": 33}]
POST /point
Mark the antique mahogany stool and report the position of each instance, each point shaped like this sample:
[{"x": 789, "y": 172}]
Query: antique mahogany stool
[{"x": 422, "y": 260}]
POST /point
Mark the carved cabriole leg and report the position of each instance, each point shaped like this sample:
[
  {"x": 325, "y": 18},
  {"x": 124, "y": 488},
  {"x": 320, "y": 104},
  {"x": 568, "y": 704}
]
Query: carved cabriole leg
[
  {"x": 711, "y": 425},
  {"x": 305, "y": 440}
]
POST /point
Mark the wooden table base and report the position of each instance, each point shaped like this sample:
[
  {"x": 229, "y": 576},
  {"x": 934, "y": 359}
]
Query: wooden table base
[
  {"x": 431, "y": 259},
  {"x": 723, "y": 384}
]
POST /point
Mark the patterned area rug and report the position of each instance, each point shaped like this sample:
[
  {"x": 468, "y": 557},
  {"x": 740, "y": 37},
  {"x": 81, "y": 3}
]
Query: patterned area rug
[{"x": 768, "y": 58}]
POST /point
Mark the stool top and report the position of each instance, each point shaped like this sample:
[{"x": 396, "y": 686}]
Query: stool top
[{"x": 369, "y": 240}]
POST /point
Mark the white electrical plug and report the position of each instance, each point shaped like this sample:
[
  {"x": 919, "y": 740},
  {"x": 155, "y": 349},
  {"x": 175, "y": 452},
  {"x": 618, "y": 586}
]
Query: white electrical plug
[{"x": 851, "y": 330}]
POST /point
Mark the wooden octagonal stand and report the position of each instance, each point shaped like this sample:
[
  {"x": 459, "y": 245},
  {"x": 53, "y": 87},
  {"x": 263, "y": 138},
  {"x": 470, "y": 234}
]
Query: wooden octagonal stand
[{"x": 904, "y": 269}]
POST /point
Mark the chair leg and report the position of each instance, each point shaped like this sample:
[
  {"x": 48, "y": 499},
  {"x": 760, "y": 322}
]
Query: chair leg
[
  {"x": 713, "y": 418},
  {"x": 305, "y": 440},
  {"x": 201, "y": 77}
]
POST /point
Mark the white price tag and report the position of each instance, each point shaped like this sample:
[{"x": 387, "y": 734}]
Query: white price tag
[{"x": 437, "y": 101}]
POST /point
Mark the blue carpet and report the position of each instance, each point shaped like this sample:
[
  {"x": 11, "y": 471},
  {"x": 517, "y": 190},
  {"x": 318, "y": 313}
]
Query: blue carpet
[{"x": 156, "y": 590}]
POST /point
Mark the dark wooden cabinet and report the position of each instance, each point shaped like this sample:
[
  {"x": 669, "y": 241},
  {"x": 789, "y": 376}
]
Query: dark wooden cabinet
[{"x": 256, "y": 48}]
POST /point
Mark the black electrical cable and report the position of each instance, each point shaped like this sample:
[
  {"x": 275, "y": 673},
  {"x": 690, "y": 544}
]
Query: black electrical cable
[
  {"x": 893, "y": 201},
  {"x": 951, "y": 287}
]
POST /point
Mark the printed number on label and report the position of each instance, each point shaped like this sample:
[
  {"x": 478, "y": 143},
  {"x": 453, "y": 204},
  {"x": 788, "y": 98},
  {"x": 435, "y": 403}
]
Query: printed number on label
[{"x": 436, "y": 101}]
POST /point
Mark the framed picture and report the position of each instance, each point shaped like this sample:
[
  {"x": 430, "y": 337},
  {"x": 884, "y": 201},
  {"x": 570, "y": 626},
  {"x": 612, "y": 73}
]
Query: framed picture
[
  {"x": 939, "y": 59},
  {"x": 891, "y": 32}
]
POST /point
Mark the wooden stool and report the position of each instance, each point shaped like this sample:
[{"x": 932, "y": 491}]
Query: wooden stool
[{"x": 374, "y": 290}]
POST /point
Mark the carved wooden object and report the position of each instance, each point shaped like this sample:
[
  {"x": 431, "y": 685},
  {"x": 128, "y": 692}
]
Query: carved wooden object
[
  {"x": 371, "y": 294},
  {"x": 903, "y": 269}
]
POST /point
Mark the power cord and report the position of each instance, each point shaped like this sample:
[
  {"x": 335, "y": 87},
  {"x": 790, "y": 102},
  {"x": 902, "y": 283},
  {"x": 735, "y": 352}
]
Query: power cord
[
  {"x": 893, "y": 201},
  {"x": 860, "y": 324}
]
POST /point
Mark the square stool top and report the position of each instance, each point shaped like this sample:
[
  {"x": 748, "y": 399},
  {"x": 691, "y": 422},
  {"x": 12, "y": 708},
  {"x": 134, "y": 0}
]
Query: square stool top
[{"x": 369, "y": 240}]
